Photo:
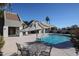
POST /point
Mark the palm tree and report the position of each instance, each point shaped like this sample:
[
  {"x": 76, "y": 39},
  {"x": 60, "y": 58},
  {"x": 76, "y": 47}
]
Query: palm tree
[{"x": 47, "y": 19}]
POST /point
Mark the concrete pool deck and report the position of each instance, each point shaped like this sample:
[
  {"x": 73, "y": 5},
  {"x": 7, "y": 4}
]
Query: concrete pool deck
[
  {"x": 10, "y": 46},
  {"x": 63, "y": 52}
]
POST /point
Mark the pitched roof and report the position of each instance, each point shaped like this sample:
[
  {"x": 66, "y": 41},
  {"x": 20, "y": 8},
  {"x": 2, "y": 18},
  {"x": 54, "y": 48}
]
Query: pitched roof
[
  {"x": 12, "y": 19},
  {"x": 11, "y": 16}
]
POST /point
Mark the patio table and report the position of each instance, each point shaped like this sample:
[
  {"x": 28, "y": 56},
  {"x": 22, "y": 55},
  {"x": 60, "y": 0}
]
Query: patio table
[{"x": 36, "y": 48}]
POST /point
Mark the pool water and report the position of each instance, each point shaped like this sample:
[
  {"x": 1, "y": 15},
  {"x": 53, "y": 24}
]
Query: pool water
[{"x": 55, "y": 39}]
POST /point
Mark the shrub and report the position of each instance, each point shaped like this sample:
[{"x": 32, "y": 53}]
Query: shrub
[
  {"x": 75, "y": 32},
  {"x": 1, "y": 42}
]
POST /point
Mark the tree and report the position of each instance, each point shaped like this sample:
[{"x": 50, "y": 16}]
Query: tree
[
  {"x": 1, "y": 14},
  {"x": 4, "y": 6},
  {"x": 47, "y": 19},
  {"x": 74, "y": 26}
]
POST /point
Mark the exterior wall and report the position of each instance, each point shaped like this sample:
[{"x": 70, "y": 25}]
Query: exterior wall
[
  {"x": 12, "y": 23},
  {"x": 5, "y": 31}
]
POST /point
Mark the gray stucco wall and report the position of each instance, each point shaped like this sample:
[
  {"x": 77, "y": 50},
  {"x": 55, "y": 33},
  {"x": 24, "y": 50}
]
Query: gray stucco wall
[{"x": 12, "y": 23}]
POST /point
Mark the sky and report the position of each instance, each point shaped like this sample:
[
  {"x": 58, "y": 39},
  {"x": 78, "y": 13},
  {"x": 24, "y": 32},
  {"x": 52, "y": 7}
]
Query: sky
[{"x": 61, "y": 15}]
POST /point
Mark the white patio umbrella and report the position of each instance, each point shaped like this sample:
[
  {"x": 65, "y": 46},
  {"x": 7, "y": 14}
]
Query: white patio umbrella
[{"x": 32, "y": 27}]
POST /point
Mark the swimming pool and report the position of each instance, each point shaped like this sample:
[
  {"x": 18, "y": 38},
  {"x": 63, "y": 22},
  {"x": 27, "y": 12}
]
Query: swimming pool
[{"x": 55, "y": 39}]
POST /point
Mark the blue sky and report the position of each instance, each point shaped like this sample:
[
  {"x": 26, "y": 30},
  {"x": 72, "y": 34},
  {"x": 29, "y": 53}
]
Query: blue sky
[{"x": 61, "y": 15}]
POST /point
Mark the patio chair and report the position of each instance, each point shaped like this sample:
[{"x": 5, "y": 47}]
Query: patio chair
[
  {"x": 23, "y": 51},
  {"x": 18, "y": 48}
]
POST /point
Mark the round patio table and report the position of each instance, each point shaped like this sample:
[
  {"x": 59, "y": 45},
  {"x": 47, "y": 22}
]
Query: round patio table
[{"x": 36, "y": 48}]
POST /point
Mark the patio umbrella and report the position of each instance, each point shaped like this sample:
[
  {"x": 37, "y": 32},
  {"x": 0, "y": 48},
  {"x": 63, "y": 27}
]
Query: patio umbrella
[
  {"x": 35, "y": 25},
  {"x": 32, "y": 27}
]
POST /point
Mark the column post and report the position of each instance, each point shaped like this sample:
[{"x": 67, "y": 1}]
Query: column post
[
  {"x": 26, "y": 33},
  {"x": 5, "y": 31},
  {"x": 21, "y": 34}
]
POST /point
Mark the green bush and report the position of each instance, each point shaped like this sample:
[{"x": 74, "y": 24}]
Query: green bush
[{"x": 1, "y": 42}]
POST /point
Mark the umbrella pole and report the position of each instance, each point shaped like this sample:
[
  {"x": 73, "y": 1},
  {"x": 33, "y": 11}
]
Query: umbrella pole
[{"x": 36, "y": 34}]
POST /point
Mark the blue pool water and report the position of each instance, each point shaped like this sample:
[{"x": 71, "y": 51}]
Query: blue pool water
[{"x": 55, "y": 39}]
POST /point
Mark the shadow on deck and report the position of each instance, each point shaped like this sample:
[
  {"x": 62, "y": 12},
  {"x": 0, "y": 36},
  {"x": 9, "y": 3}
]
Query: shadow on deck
[{"x": 64, "y": 45}]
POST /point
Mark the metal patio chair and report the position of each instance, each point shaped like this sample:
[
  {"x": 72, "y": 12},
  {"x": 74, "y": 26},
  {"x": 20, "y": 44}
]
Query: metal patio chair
[{"x": 23, "y": 51}]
